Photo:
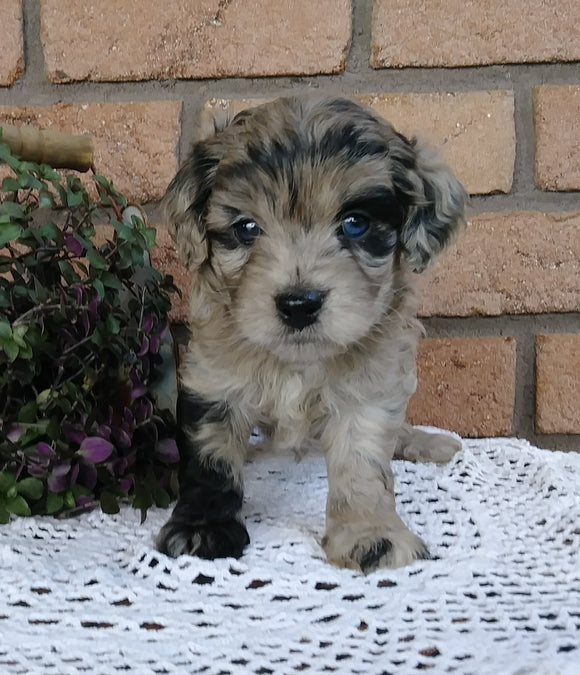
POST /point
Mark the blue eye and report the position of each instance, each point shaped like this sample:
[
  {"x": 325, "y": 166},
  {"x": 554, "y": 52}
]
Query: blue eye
[
  {"x": 355, "y": 225},
  {"x": 246, "y": 231}
]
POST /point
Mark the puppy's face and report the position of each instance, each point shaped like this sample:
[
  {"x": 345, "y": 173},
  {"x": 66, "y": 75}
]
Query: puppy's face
[{"x": 305, "y": 216}]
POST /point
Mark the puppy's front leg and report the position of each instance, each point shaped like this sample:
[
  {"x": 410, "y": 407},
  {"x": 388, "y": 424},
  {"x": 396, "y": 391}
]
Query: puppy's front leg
[
  {"x": 207, "y": 521},
  {"x": 363, "y": 529}
]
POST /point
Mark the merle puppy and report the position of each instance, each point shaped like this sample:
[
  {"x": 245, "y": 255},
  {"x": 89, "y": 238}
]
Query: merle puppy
[{"x": 304, "y": 223}]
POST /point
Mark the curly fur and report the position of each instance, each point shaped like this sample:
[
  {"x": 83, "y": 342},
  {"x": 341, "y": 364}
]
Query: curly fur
[{"x": 297, "y": 167}]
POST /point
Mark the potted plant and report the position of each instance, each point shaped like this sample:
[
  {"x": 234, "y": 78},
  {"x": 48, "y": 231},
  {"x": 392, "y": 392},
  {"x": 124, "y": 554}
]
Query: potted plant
[{"x": 81, "y": 329}]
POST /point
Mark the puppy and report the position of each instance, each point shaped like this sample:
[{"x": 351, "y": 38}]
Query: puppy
[{"x": 304, "y": 222}]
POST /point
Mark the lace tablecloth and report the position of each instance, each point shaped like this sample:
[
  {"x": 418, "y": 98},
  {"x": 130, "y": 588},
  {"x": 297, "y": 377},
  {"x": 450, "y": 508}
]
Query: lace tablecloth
[{"x": 91, "y": 595}]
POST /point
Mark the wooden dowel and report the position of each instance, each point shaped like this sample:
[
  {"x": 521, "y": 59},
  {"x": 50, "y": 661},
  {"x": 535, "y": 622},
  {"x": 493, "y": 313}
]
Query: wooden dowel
[{"x": 47, "y": 146}]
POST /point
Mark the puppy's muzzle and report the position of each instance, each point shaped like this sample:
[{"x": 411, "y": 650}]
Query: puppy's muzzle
[{"x": 300, "y": 307}]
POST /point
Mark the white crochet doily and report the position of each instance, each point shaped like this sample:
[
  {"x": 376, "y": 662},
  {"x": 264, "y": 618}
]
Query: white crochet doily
[{"x": 91, "y": 595}]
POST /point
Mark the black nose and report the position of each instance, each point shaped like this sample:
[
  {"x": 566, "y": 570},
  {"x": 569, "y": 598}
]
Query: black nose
[{"x": 300, "y": 308}]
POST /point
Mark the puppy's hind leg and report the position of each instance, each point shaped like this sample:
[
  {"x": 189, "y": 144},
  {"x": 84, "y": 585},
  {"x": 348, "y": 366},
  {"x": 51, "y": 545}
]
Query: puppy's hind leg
[
  {"x": 206, "y": 520},
  {"x": 419, "y": 446}
]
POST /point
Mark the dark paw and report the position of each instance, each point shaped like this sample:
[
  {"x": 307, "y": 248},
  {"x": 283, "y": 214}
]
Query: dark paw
[
  {"x": 221, "y": 539},
  {"x": 380, "y": 553}
]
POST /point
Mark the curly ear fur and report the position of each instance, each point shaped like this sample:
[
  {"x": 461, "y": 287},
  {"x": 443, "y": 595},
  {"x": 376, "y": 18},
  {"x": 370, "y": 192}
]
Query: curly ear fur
[
  {"x": 436, "y": 203},
  {"x": 185, "y": 202}
]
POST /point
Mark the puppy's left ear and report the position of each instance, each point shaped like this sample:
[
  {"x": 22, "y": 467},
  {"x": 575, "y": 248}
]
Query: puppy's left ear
[{"x": 435, "y": 202}]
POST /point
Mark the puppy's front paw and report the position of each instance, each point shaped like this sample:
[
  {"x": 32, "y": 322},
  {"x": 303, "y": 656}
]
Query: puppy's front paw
[
  {"x": 372, "y": 549},
  {"x": 220, "y": 539}
]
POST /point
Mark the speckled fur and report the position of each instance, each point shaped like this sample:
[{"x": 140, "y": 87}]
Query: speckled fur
[{"x": 343, "y": 383}]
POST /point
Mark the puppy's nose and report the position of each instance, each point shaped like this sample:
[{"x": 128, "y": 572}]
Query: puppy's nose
[{"x": 300, "y": 307}]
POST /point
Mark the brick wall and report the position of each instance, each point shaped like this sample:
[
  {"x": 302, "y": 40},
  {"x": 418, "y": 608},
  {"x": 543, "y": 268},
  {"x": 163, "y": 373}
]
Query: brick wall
[{"x": 494, "y": 85}]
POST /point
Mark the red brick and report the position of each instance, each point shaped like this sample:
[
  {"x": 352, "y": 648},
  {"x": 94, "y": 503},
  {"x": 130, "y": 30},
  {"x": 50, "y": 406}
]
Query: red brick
[
  {"x": 558, "y": 384},
  {"x": 474, "y": 131},
  {"x": 556, "y": 119},
  {"x": 11, "y": 58},
  {"x": 135, "y": 143},
  {"x": 468, "y": 33},
  {"x": 112, "y": 41},
  {"x": 465, "y": 385},
  {"x": 508, "y": 263}
]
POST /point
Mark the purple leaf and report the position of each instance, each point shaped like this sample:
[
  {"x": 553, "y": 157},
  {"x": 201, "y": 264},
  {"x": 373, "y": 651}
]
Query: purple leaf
[
  {"x": 147, "y": 324},
  {"x": 104, "y": 431},
  {"x": 126, "y": 484},
  {"x": 83, "y": 500},
  {"x": 154, "y": 343},
  {"x": 61, "y": 469},
  {"x": 137, "y": 391},
  {"x": 74, "y": 474},
  {"x": 57, "y": 479},
  {"x": 95, "y": 449},
  {"x": 87, "y": 476},
  {"x": 79, "y": 294},
  {"x": 93, "y": 307},
  {"x": 144, "y": 348},
  {"x": 37, "y": 469},
  {"x": 144, "y": 411},
  {"x": 164, "y": 331},
  {"x": 74, "y": 245},
  {"x": 128, "y": 418},
  {"x": 16, "y": 430},
  {"x": 166, "y": 450},
  {"x": 44, "y": 450},
  {"x": 74, "y": 434},
  {"x": 122, "y": 438}
]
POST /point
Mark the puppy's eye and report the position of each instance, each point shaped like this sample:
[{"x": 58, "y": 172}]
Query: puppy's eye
[
  {"x": 246, "y": 231},
  {"x": 355, "y": 225}
]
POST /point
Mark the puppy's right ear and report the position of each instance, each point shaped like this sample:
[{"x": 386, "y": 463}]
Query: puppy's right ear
[{"x": 185, "y": 202}]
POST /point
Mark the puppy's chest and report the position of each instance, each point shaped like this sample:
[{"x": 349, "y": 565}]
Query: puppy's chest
[{"x": 291, "y": 409}]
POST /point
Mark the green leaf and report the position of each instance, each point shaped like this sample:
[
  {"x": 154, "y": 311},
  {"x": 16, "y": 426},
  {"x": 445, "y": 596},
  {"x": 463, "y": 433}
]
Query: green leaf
[
  {"x": 162, "y": 499},
  {"x": 31, "y": 488},
  {"x": 6, "y": 156},
  {"x": 109, "y": 503},
  {"x": 14, "y": 210},
  {"x": 80, "y": 490},
  {"x": 27, "y": 414},
  {"x": 5, "y": 330},
  {"x": 69, "y": 500},
  {"x": 29, "y": 181},
  {"x": 49, "y": 231},
  {"x": 45, "y": 199},
  {"x": 4, "y": 516},
  {"x": 9, "y": 232},
  {"x": 54, "y": 502},
  {"x": 7, "y": 480},
  {"x": 113, "y": 326},
  {"x": 25, "y": 352},
  {"x": 110, "y": 280},
  {"x": 11, "y": 350},
  {"x": 143, "y": 499},
  {"x": 18, "y": 506},
  {"x": 10, "y": 185},
  {"x": 48, "y": 173},
  {"x": 98, "y": 284},
  {"x": 68, "y": 272},
  {"x": 96, "y": 259},
  {"x": 74, "y": 198},
  {"x": 150, "y": 234}
]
